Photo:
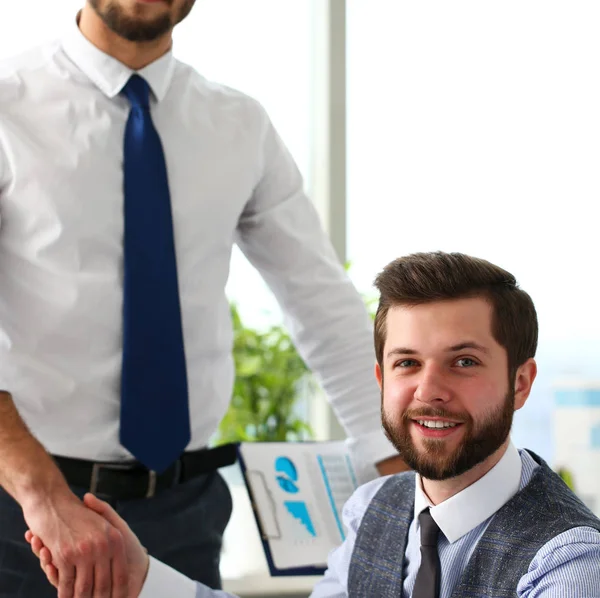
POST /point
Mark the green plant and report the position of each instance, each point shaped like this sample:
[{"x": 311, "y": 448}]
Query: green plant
[
  {"x": 567, "y": 477},
  {"x": 270, "y": 378}
]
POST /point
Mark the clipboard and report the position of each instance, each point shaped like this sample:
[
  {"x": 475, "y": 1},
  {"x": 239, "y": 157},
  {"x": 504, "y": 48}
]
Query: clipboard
[{"x": 297, "y": 491}]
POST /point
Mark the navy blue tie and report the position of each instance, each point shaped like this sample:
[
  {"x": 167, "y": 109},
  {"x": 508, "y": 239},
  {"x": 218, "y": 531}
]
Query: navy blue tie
[{"x": 155, "y": 422}]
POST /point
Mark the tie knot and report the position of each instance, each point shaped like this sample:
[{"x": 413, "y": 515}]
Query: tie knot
[
  {"x": 429, "y": 529},
  {"x": 137, "y": 91}
]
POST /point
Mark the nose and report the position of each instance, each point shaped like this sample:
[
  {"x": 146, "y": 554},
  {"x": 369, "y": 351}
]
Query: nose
[{"x": 432, "y": 386}]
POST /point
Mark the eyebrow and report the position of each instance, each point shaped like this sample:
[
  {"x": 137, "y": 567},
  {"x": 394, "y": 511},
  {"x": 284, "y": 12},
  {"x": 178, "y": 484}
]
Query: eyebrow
[{"x": 459, "y": 347}]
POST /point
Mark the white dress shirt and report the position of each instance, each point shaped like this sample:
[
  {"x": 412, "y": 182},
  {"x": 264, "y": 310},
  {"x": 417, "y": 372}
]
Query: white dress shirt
[
  {"x": 61, "y": 247},
  {"x": 566, "y": 566},
  {"x": 464, "y": 511}
]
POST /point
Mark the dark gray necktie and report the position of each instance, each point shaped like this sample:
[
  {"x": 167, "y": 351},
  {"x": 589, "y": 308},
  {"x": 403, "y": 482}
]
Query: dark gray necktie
[{"x": 427, "y": 584}]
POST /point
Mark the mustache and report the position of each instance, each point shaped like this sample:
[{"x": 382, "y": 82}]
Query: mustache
[{"x": 425, "y": 412}]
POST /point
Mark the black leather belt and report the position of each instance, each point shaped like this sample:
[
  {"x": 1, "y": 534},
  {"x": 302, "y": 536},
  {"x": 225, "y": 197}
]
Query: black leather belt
[{"x": 129, "y": 480}]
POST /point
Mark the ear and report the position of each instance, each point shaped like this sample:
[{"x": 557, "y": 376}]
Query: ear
[
  {"x": 524, "y": 381},
  {"x": 379, "y": 376}
]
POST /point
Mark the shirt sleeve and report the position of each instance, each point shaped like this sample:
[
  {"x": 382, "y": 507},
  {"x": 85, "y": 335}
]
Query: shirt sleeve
[
  {"x": 2, "y": 172},
  {"x": 164, "y": 582},
  {"x": 280, "y": 233},
  {"x": 335, "y": 581},
  {"x": 566, "y": 567}
]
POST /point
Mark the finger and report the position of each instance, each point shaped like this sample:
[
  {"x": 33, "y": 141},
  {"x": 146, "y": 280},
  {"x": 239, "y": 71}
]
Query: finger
[
  {"x": 49, "y": 569},
  {"x": 52, "y": 574},
  {"x": 101, "y": 507},
  {"x": 28, "y": 536},
  {"x": 45, "y": 557},
  {"x": 36, "y": 546},
  {"x": 102, "y": 579},
  {"x": 119, "y": 569},
  {"x": 84, "y": 580},
  {"x": 66, "y": 581},
  {"x": 106, "y": 511}
]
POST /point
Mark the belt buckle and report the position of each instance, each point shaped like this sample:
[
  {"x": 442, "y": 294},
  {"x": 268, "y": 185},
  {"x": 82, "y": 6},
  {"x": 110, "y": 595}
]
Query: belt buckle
[
  {"x": 152, "y": 478},
  {"x": 151, "y": 483}
]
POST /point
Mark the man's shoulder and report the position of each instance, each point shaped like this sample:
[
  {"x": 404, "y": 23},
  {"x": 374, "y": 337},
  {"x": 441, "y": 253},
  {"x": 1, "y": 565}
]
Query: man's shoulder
[
  {"x": 16, "y": 68},
  {"x": 573, "y": 543},
  {"x": 216, "y": 94},
  {"x": 571, "y": 559},
  {"x": 550, "y": 490}
]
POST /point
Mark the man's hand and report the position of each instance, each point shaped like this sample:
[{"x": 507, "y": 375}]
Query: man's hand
[
  {"x": 137, "y": 560},
  {"x": 89, "y": 554},
  {"x": 87, "y": 551}
]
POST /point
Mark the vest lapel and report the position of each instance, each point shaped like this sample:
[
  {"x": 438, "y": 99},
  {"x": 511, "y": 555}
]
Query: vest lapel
[{"x": 377, "y": 566}]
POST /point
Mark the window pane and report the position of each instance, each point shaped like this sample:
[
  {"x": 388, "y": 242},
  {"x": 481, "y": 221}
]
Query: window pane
[{"x": 474, "y": 127}]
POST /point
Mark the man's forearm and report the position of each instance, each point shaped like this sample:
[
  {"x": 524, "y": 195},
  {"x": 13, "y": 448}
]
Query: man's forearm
[{"x": 27, "y": 472}]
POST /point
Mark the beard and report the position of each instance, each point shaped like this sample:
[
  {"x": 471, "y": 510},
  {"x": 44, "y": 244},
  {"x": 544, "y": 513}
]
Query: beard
[
  {"x": 137, "y": 29},
  {"x": 433, "y": 461}
]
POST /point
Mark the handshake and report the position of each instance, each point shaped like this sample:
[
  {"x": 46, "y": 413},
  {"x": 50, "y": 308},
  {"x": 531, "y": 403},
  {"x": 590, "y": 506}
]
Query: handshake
[{"x": 136, "y": 556}]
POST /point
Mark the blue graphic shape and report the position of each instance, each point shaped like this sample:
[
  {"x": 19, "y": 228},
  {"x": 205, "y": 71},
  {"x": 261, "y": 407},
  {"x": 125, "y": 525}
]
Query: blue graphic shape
[
  {"x": 595, "y": 438},
  {"x": 287, "y": 485},
  {"x": 285, "y": 466},
  {"x": 299, "y": 510}
]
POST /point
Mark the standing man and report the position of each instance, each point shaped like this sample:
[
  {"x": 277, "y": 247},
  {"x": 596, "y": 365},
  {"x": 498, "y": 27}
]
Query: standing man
[{"x": 125, "y": 180}]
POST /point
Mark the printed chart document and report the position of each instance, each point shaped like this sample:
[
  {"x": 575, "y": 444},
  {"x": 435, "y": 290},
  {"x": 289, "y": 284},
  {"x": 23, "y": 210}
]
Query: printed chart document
[{"x": 297, "y": 492}]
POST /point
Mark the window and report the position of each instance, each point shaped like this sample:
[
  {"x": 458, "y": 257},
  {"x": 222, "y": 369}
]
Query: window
[{"x": 475, "y": 127}]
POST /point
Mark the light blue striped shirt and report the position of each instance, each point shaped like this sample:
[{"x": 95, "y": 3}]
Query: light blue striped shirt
[{"x": 566, "y": 567}]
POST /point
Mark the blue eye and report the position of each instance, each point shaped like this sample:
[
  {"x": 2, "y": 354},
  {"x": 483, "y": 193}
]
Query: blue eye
[
  {"x": 466, "y": 362},
  {"x": 405, "y": 363}
]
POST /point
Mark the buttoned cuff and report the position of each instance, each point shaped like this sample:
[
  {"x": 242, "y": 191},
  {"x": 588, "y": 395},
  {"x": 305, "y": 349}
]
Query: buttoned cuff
[{"x": 164, "y": 582}]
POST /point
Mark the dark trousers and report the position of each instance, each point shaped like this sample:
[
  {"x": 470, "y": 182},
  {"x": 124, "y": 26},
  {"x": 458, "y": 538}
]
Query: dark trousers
[{"x": 182, "y": 526}]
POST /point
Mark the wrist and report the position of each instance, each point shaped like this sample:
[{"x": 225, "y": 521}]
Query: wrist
[{"x": 40, "y": 491}]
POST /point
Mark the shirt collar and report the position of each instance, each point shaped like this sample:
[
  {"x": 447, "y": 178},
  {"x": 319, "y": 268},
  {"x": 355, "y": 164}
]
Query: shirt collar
[
  {"x": 469, "y": 508},
  {"x": 110, "y": 75}
]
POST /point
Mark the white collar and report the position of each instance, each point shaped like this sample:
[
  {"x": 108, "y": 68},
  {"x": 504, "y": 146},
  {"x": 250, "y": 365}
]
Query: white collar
[
  {"x": 464, "y": 511},
  {"x": 108, "y": 73}
]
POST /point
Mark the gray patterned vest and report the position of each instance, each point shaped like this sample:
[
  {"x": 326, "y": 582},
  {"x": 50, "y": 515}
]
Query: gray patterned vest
[{"x": 539, "y": 512}]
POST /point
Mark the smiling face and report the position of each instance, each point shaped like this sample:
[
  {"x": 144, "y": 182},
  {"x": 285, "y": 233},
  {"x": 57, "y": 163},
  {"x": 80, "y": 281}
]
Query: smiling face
[{"x": 447, "y": 404}]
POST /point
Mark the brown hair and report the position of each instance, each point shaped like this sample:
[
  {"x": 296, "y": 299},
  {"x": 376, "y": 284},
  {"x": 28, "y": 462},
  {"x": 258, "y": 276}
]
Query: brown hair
[{"x": 426, "y": 277}]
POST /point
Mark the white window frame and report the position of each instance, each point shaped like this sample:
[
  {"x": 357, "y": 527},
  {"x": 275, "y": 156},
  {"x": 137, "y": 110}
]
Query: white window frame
[{"x": 328, "y": 154}]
